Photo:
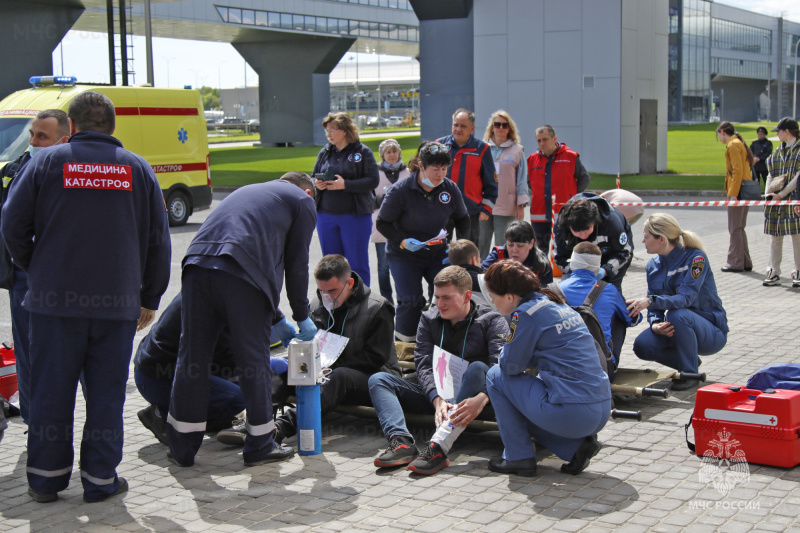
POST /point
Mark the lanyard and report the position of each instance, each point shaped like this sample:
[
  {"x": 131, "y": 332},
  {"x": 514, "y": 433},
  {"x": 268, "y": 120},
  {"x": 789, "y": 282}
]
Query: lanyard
[
  {"x": 343, "y": 322},
  {"x": 441, "y": 341}
]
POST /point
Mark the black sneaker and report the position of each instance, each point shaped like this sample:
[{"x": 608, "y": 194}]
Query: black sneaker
[
  {"x": 150, "y": 419},
  {"x": 431, "y": 460},
  {"x": 588, "y": 449},
  {"x": 400, "y": 452},
  {"x": 122, "y": 487},
  {"x": 521, "y": 467},
  {"x": 278, "y": 453},
  {"x": 234, "y": 436}
]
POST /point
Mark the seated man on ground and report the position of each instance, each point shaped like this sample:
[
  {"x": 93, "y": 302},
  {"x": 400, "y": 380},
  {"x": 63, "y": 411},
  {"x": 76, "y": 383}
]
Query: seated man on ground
[
  {"x": 455, "y": 331},
  {"x": 521, "y": 246},
  {"x": 154, "y": 370},
  {"x": 345, "y": 306},
  {"x": 610, "y": 307}
]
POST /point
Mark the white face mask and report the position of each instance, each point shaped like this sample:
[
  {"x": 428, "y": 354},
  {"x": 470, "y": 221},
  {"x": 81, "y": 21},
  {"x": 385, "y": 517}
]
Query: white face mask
[{"x": 33, "y": 149}]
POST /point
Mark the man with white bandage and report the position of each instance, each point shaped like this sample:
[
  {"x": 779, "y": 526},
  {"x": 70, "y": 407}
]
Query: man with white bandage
[{"x": 610, "y": 306}]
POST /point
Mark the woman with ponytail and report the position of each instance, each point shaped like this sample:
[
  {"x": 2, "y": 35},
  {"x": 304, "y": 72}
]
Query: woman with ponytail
[
  {"x": 738, "y": 162},
  {"x": 684, "y": 311},
  {"x": 568, "y": 402}
]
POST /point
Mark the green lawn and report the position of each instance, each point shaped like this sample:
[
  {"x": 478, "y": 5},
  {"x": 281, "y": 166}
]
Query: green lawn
[{"x": 695, "y": 161}]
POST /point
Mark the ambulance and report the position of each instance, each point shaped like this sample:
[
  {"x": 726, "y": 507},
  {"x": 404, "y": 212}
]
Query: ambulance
[{"x": 165, "y": 126}]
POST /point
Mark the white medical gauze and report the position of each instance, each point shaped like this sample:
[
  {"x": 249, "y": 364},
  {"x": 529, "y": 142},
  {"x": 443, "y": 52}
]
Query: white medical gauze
[
  {"x": 447, "y": 433},
  {"x": 585, "y": 262}
]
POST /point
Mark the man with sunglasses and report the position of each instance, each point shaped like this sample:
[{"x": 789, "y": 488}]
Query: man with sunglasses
[
  {"x": 344, "y": 307},
  {"x": 553, "y": 170},
  {"x": 472, "y": 170}
]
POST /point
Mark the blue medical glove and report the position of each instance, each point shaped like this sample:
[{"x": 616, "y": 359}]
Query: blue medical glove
[
  {"x": 279, "y": 365},
  {"x": 285, "y": 331},
  {"x": 600, "y": 274},
  {"x": 413, "y": 245},
  {"x": 307, "y": 329}
]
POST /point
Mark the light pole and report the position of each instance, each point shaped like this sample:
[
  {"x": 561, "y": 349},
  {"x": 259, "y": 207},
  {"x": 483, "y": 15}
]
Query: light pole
[
  {"x": 167, "y": 59},
  {"x": 769, "y": 77},
  {"x": 794, "y": 101}
]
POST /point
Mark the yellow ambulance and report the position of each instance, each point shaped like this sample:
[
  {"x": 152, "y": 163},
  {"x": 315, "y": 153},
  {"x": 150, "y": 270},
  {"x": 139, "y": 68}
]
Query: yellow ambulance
[{"x": 165, "y": 126}]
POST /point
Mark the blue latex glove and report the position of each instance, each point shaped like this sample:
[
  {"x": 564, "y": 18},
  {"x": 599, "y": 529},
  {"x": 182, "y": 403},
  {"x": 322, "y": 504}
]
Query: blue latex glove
[
  {"x": 285, "y": 331},
  {"x": 279, "y": 365},
  {"x": 413, "y": 245},
  {"x": 601, "y": 274},
  {"x": 307, "y": 329}
]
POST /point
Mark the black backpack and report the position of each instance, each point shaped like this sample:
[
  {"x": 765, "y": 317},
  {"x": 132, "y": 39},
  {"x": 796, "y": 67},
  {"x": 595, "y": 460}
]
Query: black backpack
[{"x": 593, "y": 324}]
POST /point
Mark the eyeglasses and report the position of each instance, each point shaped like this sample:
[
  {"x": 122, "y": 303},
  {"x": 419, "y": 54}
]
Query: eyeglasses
[
  {"x": 330, "y": 132},
  {"x": 502, "y": 125},
  {"x": 435, "y": 148}
]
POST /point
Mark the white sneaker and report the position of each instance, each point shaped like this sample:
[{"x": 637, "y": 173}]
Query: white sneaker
[
  {"x": 771, "y": 279},
  {"x": 795, "y": 278}
]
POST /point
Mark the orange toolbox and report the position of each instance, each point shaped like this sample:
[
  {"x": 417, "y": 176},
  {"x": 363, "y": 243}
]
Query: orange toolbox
[{"x": 740, "y": 424}]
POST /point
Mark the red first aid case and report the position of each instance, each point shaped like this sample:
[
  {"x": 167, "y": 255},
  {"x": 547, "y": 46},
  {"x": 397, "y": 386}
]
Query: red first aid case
[
  {"x": 8, "y": 372},
  {"x": 740, "y": 424}
]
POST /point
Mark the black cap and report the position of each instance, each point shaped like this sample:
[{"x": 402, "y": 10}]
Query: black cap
[
  {"x": 786, "y": 123},
  {"x": 760, "y": 129}
]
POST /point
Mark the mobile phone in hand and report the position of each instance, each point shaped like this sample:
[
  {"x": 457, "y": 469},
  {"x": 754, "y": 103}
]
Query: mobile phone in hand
[{"x": 328, "y": 175}]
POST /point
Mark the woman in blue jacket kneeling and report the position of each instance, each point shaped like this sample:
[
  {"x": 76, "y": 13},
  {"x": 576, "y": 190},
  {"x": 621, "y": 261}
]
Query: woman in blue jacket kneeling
[{"x": 568, "y": 402}]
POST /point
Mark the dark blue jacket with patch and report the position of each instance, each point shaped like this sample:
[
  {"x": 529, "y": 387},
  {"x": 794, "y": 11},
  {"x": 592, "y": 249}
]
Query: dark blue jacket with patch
[
  {"x": 356, "y": 165},
  {"x": 86, "y": 220}
]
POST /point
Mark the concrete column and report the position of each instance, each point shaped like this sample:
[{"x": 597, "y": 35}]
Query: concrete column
[
  {"x": 294, "y": 91},
  {"x": 30, "y": 32},
  {"x": 446, "y": 59}
]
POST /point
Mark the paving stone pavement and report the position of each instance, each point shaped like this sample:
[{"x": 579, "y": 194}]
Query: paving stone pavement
[{"x": 644, "y": 478}]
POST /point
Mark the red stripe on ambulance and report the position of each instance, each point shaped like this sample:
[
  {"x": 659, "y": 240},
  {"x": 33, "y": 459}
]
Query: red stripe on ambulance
[
  {"x": 98, "y": 176},
  {"x": 179, "y": 167},
  {"x": 156, "y": 111}
]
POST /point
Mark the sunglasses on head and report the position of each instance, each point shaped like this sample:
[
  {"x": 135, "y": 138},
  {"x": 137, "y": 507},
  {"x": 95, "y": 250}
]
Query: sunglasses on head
[
  {"x": 501, "y": 125},
  {"x": 435, "y": 148}
]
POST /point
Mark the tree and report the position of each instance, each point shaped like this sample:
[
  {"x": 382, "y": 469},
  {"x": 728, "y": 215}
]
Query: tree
[{"x": 210, "y": 98}]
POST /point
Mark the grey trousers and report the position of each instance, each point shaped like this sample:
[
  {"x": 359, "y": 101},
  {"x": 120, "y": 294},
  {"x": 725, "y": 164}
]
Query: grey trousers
[{"x": 738, "y": 252}]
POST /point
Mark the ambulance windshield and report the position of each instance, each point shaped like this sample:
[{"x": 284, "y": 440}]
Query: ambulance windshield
[{"x": 14, "y": 137}]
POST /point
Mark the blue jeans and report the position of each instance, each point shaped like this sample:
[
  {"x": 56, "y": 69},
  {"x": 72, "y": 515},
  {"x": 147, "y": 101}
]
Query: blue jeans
[
  {"x": 694, "y": 335},
  {"x": 408, "y": 274},
  {"x": 225, "y": 398},
  {"x": 391, "y": 394},
  {"x": 523, "y": 410},
  {"x": 347, "y": 235},
  {"x": 384, "y": 276},
  {"x": 19, "y": 330}
]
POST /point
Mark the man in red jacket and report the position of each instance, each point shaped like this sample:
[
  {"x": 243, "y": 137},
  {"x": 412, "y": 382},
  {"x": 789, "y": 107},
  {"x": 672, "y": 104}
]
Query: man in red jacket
[{"x": 554, "y": 170}]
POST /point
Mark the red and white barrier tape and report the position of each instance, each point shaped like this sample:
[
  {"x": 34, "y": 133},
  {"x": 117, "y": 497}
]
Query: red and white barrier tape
[{"x": 717, "y": 203}]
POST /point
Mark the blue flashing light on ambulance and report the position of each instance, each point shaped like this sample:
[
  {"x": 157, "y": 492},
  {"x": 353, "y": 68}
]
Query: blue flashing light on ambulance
[{"x": 165, "y": 126}]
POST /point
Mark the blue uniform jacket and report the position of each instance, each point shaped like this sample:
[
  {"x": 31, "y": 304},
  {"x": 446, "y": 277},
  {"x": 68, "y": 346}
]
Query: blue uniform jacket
[
  {"x": 87, "y": 220},
  {"x": 356, "y": 165},
  {"x": 553, "y": 339},
  {"x": 683, "y": 280},
  {"x": 408, "y": 211},
  {"x": 479, "y": 337},
  {"x": 613, "y": 236},
  {"x": 266, "y": 229},
  {"x": 536, "y": 261},
  {"x": 610, "y": 304},
  {"x": 478, "y": 189}
]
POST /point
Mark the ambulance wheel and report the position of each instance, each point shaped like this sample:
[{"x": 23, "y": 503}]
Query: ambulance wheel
[{"x": 178, "y": 209}]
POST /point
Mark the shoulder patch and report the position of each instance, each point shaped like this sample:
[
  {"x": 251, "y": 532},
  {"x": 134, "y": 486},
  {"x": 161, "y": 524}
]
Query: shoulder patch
[
  {"x": 698, "y": 264},
  {"x": 623, "y": 238},
  {"x": 515, "y": 317},
  {"x": 512, "y": 329},
  {"x": 445, "y": 197}
]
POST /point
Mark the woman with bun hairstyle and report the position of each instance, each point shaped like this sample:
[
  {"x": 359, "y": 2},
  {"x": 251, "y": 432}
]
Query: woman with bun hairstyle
[{"x": 568, "y": 402}]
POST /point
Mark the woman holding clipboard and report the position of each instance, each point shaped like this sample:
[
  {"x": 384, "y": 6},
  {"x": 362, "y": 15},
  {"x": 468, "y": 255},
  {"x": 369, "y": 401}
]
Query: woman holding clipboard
[{"x": 412, "y": 216}]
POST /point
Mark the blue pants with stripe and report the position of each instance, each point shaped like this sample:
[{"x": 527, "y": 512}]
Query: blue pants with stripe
[
  {"x": 347, "y": 235},
  {"x": 19, "y": 330},
  {"x": 211, "y": 300},
  {"x": 694, "y": 335},
  {"x": 61, "y": 349},
  {"x": 523, "y": 410}
]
